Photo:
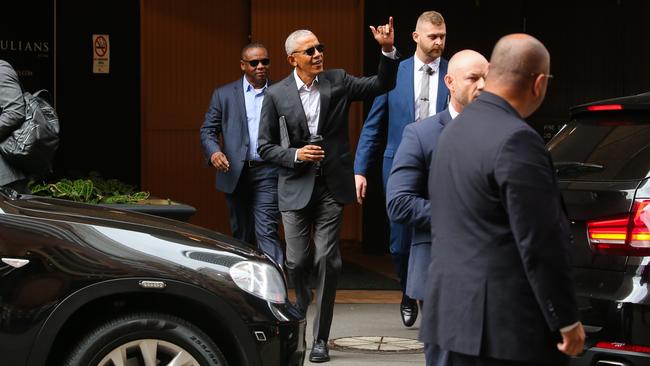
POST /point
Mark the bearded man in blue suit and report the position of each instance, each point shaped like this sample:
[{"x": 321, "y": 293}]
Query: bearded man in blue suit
[{"x": 420, "y": 92}]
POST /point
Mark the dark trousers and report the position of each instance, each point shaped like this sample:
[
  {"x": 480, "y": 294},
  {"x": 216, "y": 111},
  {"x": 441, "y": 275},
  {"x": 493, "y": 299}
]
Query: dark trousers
[
  {"x": 434, "y": 356},
  {"x": 253, "y": 207},
  {"x": 458, "y": 359},
  {"x": 400, "y": 237},
  {"x": 324, "y": 215}
]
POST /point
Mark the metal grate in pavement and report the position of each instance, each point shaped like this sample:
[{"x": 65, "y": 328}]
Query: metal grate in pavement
[{"x": 376, "y": 344}]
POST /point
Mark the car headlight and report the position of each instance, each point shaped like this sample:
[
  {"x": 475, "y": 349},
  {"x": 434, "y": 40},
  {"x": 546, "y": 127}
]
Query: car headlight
[{"x": 261, "y": 280}]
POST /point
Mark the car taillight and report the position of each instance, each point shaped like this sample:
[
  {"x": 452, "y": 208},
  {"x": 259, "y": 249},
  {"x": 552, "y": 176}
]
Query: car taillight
[
  {"x": 623, "y": 347},
  {"x": 626, "y": 235},
  {"x": 605, "y": 107}
]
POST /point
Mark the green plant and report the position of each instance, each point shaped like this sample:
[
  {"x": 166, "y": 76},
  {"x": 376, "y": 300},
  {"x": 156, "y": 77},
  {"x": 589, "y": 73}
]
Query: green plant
[{"x": 92, "y": 190}]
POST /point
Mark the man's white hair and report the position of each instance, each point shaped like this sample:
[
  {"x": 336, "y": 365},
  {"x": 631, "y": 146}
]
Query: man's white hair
[{"x": 290, "y": 43}]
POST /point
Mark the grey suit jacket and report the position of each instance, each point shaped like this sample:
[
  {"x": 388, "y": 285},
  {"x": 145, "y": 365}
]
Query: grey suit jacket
[
  {"x": 407, "y": 199},
  {"x": 337, "y": 91},
  {"x": 12, "y": 115},
  {"x": 226, "y": 118}
]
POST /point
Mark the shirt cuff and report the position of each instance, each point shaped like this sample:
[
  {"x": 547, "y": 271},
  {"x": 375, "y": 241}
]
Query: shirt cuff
[
  {"x": 569, "y": 327},
  {"x": 391, "y": 55},
  {"x": 295, "y": 157}
]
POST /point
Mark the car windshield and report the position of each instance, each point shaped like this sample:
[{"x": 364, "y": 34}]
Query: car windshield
[{"x": 606, "y": 146}]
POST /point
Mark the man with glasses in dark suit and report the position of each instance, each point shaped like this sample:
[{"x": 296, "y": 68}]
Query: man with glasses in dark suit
[
  {"x": 309, "y": 112},
  {"x": 249, "y": 183}
]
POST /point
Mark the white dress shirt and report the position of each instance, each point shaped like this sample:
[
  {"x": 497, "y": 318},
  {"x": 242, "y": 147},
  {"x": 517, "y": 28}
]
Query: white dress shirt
[
  {"x": 452, "y": 112},
  {"x": 310, "y": 98},
  {"x": 433, "y": 84}
]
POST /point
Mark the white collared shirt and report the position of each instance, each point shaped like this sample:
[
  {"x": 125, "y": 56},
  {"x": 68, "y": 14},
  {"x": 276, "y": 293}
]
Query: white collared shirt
[
  {"x": 433, "y": 84},
  {"x": 310, "y": 98},
  {"x": 452, "y": 112}
]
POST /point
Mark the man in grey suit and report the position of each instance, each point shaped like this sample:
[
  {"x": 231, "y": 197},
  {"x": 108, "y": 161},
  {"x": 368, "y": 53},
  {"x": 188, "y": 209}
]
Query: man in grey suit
[
  {"x": 249, "y": 183},
  {"x": 407, "y": 200},
  {"x": 316, "y": 180},
  {"x": 12, "y": 115},
  {"x": 499, "y": 289}
]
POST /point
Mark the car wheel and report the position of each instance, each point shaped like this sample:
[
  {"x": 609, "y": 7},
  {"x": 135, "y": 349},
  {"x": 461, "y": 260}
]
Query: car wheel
[{"x": 146, "y": 339}]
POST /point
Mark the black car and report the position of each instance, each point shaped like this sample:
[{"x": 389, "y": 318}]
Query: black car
[
  {"x": 84, "y": 285},
  {"x": 602, "y": 159}
]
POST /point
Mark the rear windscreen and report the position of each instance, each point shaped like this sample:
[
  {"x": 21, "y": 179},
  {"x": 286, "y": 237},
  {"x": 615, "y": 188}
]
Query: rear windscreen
[{"x": 604, "y": 146}]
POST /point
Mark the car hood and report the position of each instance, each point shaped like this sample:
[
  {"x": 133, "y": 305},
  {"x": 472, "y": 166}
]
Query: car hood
[{"x": 74, "y": 212}]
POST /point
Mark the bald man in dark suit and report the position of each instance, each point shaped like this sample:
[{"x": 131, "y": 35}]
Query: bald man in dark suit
[{"x": 499, "y": 289}]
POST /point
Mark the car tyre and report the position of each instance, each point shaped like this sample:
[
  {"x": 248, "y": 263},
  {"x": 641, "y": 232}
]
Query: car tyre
[{"x": 146, "y": 337}]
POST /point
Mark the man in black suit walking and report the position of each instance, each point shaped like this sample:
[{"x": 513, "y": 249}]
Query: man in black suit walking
[
  {"x": 500, "y": 289},
  {"x": 316, "y": 179}
]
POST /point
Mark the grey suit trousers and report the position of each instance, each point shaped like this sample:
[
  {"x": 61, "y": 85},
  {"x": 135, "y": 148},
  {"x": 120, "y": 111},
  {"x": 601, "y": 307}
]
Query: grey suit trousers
[{"x": 324, "y": 215}]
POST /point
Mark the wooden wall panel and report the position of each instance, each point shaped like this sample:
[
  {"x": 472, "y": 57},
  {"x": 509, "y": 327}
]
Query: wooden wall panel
[
  {"x": 188, "y": 48},
  {"x": 336, "y": 23}
]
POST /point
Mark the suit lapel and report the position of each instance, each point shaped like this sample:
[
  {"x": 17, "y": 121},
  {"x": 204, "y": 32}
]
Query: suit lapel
[
  {"x": 325, "y": 96},
  {"x": 405, "y": 73},
  {"x": 445, "y": 117},
  {"x": 293, "y": 99},
  {"x": 443, "y": 92},
  {"x": 241, "y": 102}
]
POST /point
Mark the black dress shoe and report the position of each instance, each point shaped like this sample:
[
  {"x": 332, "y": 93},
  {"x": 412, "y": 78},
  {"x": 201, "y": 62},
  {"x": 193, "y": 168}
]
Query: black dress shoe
[
  {"x": 409, "y": 310},
  {"x": 319, "y": 351}
]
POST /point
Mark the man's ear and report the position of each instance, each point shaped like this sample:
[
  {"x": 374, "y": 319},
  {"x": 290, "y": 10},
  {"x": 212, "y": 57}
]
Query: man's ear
[
  {"x": 449, "y": 81},
  {"x": 415, "y": 36},
  {"x": 242, "y": 65},
  {"x": 291, "y": 60},
  {"x": 538, "y": 84}
]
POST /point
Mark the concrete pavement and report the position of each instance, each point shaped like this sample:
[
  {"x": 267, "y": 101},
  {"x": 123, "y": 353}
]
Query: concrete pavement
[{"x": 351, "y": 320}]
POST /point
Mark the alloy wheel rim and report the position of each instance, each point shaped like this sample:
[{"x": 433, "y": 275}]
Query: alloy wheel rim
[{"x": 148, "y": 352}]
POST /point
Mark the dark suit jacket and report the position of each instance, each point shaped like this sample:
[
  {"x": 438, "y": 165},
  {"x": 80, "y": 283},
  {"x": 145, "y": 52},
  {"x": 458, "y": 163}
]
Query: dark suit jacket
[
  {"x": 226, "y": 118},
  {"x": 393, "y": 111},
  {"x": 407, "y": 197},
  {"x": 500, "y": 282},
  {"x": 337, "y": 91}
]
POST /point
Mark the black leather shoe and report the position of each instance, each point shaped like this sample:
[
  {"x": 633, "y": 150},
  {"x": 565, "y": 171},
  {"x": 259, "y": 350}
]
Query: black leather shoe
[
  {"x": 409, "y": 310},
  {"x": 319, "y": 352}
]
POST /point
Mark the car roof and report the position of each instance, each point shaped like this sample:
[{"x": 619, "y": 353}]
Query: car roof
[{"x": 631, "y": 102}]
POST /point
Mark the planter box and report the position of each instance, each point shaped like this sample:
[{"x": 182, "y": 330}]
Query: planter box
[{"x": 159, "y": 207}]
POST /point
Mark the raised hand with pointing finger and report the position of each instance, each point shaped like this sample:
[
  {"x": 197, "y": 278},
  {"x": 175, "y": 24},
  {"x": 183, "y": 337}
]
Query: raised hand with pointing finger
[{"x": 385, "y": 35}]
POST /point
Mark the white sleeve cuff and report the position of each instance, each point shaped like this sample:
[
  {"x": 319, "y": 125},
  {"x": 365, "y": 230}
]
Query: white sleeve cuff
[{"x": 391, "y": 55}]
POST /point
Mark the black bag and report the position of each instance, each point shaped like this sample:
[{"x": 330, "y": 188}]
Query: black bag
[{"x": 31, "y": 147}]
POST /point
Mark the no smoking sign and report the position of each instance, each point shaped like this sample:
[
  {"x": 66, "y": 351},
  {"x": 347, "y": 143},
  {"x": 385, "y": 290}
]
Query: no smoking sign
[{"x": 101, "y": 54}]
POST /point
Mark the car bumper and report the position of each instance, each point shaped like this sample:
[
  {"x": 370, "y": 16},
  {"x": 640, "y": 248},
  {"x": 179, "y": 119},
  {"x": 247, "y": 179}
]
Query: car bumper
[
  {"x": 282, "y": 344},
  {"x": 606, "y": 357}
]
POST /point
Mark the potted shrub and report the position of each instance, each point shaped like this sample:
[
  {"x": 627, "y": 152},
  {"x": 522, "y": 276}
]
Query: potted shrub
[{"x": 112, "y": 193}]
